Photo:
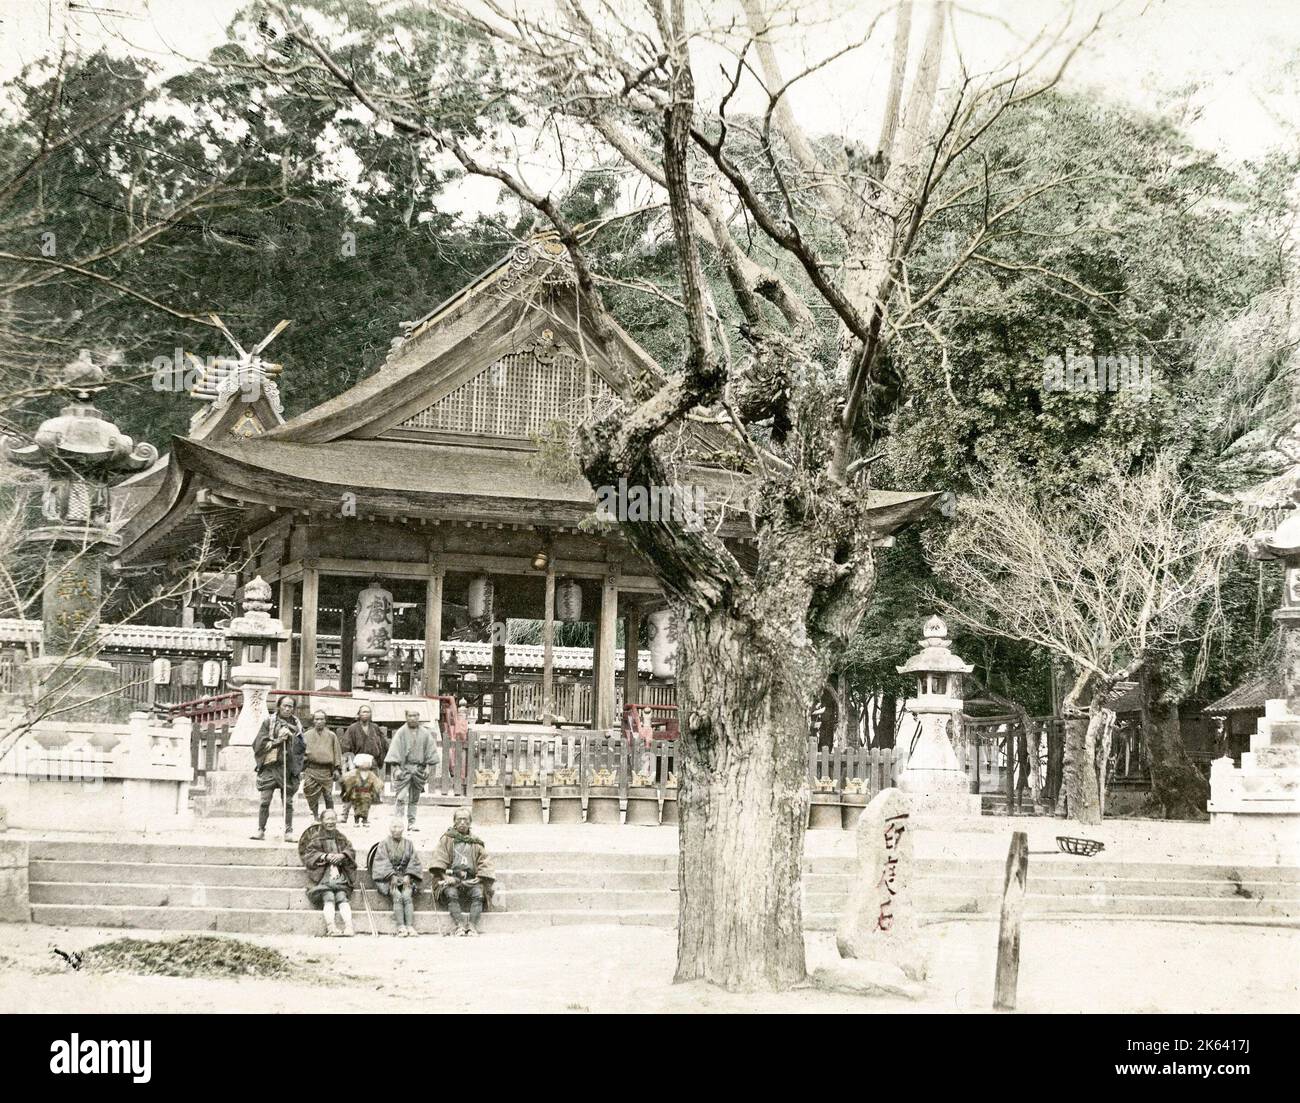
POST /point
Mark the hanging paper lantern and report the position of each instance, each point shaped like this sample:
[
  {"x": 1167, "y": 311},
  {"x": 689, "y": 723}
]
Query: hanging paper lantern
[
  {"x": 211, "y": 674},
  {"x": 162, "y": 672},
  {"x": 374, "y": 621},
  {"x": 189, "y": 673},
  {"x": 662, "y": 632},
  {"x": 568, "y": 600},
  {"x": 480, "y": 597}
]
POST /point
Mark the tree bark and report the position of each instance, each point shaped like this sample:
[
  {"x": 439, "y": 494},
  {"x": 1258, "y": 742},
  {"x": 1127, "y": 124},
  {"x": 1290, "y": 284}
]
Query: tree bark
[
  {"x": 1083, "y": 721},
  {"x": 1177, "y": 786},
  {"x": 743, "y": 807},
  {"x": 887, "y": 721}
]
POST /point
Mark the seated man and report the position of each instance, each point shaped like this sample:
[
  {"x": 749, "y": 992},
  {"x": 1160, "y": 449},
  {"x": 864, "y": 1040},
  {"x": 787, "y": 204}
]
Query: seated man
[
  {"x": 463, "y": 870},
  {"x": 396, "y": 871},
  {"x": 332, "y": 869},
  {"x": 362, "y": 787}
]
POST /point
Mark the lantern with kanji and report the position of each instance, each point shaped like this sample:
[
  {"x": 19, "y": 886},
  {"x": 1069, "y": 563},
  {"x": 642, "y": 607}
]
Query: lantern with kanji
[
  {"x": 374, "y": 614},
  {"x": 568, "y": 600}
]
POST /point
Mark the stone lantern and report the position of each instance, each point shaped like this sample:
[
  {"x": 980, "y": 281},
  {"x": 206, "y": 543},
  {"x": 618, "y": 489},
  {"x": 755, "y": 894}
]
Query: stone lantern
[
  {"x": 933, "y": 773},
  {"x": 1259, "y": 802},
  {"x": 255, "y": 639},
  {"x": 82, "y": 455}
]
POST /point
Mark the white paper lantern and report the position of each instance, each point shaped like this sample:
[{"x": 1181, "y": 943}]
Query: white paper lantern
[
  {"x": 211, "y": 674},
  {"x": 662, "y": 632},
  {"x": 162, "y": 672},
  {"x": 480, "y": 597},
  {"x": 374, "y": 621},
  {"x": 568, "y": 600}
]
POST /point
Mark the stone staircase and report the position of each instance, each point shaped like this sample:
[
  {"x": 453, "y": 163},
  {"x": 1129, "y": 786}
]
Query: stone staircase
[{"x": 261, "y": 889}]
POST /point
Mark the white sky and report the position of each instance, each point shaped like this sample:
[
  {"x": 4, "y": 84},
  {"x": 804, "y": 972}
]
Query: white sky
[{"x": 1149, "y": 52}]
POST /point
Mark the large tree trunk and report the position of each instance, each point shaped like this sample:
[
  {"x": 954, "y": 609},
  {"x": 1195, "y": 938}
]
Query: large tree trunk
[
  {"x": 1083, "y": 722},
  {"x": 1176, "y": 784},
  {"x": 743, "y": 807}
]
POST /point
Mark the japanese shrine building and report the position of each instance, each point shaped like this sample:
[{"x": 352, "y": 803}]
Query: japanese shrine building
[{"x": 429, "y": 478}]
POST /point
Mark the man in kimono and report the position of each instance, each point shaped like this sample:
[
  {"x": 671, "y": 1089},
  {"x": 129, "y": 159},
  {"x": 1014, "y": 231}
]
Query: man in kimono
[
  {"x": 278, "y": 750},
  {"x": 412, "y": 754},
  {"x": 323, "y": 761},
  {"x": 332, "y": 870},
  {"x": 362, "y": 787},
  {"x": 363, "y": 736},
  {"x": 464, "y": 872},
  {"x": 396, "y": 872}
]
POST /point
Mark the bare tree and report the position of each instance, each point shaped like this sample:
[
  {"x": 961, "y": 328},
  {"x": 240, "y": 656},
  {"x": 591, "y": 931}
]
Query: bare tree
[
  {"x": 811, "y": 239},
  {"x": 1105, "y": 582}
]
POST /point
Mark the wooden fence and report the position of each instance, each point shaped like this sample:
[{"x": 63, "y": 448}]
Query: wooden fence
[{"x": 874, "y": 766}]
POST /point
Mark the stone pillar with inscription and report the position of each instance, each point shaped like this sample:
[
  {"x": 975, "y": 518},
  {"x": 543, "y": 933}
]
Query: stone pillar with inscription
[
  {"x": 1258, "y": 803},
  {"x": 255, "y": 639},
  {"x": 82, "y": 455}
]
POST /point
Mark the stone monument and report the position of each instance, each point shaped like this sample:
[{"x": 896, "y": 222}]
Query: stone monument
[
  {"x": 1259, "y": 803},
  {"x": 933, "y": 777},
  {"x": 255, "y": 639},
  {"x": 878, "y": 937},
  {"x": 82, "y": 455}
]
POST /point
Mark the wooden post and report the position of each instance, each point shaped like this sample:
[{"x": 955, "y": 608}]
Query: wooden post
[
  {"x": 284, "y": 652},
  {"x": 500, "y": 688},
  {"x": 548, "y": 645},
  {"x": 606, "y": 636},
  {"x": 1013, "y": 908},
  {"x": 347, "y": 640},
  {"x": 631, "y": 653},
  {"x": 310, "y": 601},
  {"x": 433, "y": 632}
]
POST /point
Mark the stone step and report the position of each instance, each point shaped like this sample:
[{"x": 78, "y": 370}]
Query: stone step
[
  {"x": 1081, "y": 886},
  {"x": 294, "y": 898},
  {"x": 255, "y": 921},
  {"x": 291, "y": 876},
  {"x": 284, "y": 854}
]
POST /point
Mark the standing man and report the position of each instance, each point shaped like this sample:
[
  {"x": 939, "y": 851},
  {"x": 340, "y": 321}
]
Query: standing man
[
  {"x": 464, "y": 872},
  {"x": 332, "y": 870},
  {"x": 278, "y": 750},
  {"x": 396, "y": 872},
  {"x": 324, "y": 761},
  {"x": 363, "y": 736},
  {"x": 412, "y": 753}
]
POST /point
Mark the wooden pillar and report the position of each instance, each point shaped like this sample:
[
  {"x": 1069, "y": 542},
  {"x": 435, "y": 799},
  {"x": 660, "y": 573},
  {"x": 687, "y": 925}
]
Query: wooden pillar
[
  {"x": 631, "y": 653},
  {"x": 310, "y": 602},
  {"x": 606, "y": 636},
  {"x": 347, "y": 640},
  {"x": 548, "y": 646},
  {"x": 284, "y": 658},
  {"x": 433, "y": 631},
  {"x": 500, "y": 690}
]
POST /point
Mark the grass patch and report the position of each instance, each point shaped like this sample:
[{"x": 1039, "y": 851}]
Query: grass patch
[{"x": 200, "y": 956}]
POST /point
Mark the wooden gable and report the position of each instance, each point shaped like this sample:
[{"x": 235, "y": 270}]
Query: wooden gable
[{"x": 518, "y": 397}]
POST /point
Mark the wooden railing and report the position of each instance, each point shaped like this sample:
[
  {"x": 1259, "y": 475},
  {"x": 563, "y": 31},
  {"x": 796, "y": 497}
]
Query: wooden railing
[{"x": 875, "y": 766}]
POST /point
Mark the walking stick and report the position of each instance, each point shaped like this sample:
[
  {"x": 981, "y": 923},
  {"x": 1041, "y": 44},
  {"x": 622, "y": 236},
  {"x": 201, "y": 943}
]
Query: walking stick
[
  {"x": 284, "y": 783},
  {"x": 374, "y": 931}
]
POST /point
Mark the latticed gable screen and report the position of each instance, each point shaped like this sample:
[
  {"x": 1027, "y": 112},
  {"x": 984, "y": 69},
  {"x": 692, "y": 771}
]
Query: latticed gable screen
[{"x": 517, "y": 396}]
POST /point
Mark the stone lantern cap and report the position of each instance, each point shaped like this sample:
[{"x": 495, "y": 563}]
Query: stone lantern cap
[
  {"x": 256, "y": 624},
  {"x": 80, "y": 438},
  {"x": 935, "y": 656},
  {"x": 1283, "y": 542}
]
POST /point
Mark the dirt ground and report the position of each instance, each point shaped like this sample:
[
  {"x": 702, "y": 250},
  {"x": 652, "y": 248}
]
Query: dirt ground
[{"x": 1088, "y": 966}]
